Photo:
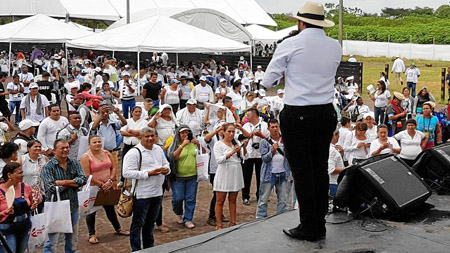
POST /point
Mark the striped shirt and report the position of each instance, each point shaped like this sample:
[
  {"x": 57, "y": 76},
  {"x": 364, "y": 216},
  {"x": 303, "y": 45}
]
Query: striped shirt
[
  {"x": 52, "y": 172},
  {"x": 125, "y": 93}
]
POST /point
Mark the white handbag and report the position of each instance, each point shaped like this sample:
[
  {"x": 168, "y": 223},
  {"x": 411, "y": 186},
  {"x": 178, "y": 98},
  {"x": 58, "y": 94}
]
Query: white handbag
[
  {"x": 202, "y": 166},
  {"x": 57, "y": 215}
]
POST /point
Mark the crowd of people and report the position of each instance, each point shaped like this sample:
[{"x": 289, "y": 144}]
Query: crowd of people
[{"x": 188, "y": 110}]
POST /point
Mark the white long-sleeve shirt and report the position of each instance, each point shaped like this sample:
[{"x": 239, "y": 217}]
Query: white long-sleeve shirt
[
  {"x": 48, "y": 129},
  {"x": 310, "y": 61},
  {"x": 398, "y": 66},
  {"x": 148, "y": 186}
]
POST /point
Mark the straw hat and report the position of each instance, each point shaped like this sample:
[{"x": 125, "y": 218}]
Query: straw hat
[
  {"x": 431, "y": 103},
  {"x": 313, "y": 13},
  {"x": 399, "y": 95}
]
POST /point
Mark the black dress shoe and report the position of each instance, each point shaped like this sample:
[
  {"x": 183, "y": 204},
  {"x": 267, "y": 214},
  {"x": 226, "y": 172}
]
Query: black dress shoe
[{"x": 300, "y": 234}]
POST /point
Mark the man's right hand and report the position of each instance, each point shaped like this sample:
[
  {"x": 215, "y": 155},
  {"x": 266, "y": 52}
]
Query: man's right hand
[
  {"x": 274, "y": 146},
  {"x": 154, "y": 172}
]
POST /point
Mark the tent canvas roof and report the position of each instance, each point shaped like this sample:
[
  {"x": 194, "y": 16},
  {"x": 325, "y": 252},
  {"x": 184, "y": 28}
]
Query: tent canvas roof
[
  {"x": 40, "y": 29},
  {"x": 159, "y": 33},
  {"x": 262, "y": 34}
]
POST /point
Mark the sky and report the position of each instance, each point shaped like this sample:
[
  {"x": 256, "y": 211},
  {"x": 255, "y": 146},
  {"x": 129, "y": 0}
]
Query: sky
[{"x": 369, "y": 6}]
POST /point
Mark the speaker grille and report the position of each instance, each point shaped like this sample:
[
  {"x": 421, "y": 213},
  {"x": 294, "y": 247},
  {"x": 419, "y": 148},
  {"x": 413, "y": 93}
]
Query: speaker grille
[{"x": 394, "y": 179}]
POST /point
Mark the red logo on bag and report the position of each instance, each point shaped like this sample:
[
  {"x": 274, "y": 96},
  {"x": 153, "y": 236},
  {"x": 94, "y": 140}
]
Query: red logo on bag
[
  {"x": 36, "y": 232},
  {"x": 200, "y": 164},
  {"x": 89, "y": 200}
]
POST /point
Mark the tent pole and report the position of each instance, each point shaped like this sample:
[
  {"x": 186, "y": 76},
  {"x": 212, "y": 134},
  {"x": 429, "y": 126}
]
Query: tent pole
[
  {"x": 9, "y": 56},
  {"x": 138, "y": 72},
  {"x": 67, "y": 60},
  {"x": 113, "y": 54},
  {"x": 177, "y": 59}
]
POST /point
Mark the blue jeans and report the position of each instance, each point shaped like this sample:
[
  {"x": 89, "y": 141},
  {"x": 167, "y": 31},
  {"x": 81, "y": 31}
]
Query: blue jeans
[
  {"x": 15, "y": 105},
  {"x": 71, "y": 239},
  {"x": 17, "y": 240},
  {"x": 412, "y": 88},
  {"x": 145, "y": 212},
  {"x": 379, "y": 115},
  {"x": 184, "y": 191},
  {"x": 279, "y": 181},
  {"x": 127, "y": 105}
]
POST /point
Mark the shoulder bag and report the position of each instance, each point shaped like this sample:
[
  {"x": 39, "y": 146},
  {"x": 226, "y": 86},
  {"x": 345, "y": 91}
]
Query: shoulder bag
[{"x": 125, "y": 206}]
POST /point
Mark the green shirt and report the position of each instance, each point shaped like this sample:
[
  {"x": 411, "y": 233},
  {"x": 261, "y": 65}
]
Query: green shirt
[{"x": 187, "y": 163}]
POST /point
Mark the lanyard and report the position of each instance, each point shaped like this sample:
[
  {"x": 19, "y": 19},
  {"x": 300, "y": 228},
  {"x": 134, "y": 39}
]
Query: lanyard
[{"x": 429, "y": 123}]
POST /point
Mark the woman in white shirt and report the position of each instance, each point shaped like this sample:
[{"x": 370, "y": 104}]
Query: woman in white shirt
[
  {"x": 229, "y": 179},
  {"x": 384, "y": 144},
  {"x": 164, "y": 123},
  {"x": 171, "y": 95},
  {"x": 382, "y": 98},
  {"x": 411, "y": 141},
  {"x": 384, "y": 79},
  {"x": 235, "y": 94},
  {"x": 356, "y": 144}
]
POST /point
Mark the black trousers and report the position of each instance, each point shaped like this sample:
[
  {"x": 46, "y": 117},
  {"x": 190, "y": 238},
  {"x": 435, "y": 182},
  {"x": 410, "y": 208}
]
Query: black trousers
[
  {"x": 212, "y": 205},
  {"x": 247, "y": 171},
  {"x": 307, "y": 132},
  {"x": 110, "y": 214}
]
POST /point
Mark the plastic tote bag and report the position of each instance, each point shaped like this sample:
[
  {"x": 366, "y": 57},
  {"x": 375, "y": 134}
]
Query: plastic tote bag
[
  {"x": 87, "y": 197},
  {"x": 38, "y": 232},
  {"x": 202, "y": 166},
  {"x": 57, "y": 215}
]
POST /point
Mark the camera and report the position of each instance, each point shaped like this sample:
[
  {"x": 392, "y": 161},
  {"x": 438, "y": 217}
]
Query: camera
[
  {"x": 255, "y": 145},
  {"x": 190, "y": 136}
]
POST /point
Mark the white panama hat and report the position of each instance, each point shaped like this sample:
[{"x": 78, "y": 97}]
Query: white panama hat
[{"x": 314, "y": 14}]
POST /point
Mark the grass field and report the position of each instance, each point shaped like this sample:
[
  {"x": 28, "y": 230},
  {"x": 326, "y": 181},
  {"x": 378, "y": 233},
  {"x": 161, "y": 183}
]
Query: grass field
[{"x": 430, "y": 76}]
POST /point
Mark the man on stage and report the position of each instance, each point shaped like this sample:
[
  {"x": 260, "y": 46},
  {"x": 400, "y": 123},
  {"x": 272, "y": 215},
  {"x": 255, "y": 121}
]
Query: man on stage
[{"x": 310, "y": 60}]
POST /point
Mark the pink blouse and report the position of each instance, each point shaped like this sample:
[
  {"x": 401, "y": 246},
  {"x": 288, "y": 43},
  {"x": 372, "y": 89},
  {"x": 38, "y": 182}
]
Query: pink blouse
[
  {"x": 100, "y": 170},
  {"x": 4, "y": 204}
]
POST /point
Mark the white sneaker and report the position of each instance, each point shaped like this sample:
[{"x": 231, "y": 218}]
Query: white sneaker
[{"x": 189, "y": 224}]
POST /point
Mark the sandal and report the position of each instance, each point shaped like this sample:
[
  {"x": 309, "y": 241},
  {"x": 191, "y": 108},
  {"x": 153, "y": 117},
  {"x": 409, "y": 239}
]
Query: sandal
[
  {"x": 93, "y": 239},
  {"x": 123, "y": 232},
  {"x": 218, "y": 227},
  {"x": 231, "y": 224},
  {"x": 162, "y": 229}
]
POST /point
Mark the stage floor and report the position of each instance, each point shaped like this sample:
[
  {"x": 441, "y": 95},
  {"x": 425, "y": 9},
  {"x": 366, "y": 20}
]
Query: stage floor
[{"x": 427, "y": 231}]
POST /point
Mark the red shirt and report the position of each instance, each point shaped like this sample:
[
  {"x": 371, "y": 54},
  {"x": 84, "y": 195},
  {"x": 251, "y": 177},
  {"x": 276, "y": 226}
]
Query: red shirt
[{"x": 4, "y": 204}]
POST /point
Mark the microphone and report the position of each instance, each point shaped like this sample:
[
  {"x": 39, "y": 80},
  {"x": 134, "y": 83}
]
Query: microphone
[{"x": 291, "y": 34}]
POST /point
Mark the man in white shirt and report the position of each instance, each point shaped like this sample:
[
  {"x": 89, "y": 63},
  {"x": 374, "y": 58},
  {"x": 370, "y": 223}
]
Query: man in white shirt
[
  {"x": 259, "y": 76},
  {"x": 412, "y": 77},
  {"x": 335, "y": 163},
  {"x": 308, "y": 118},
  {"x": 128, "y": 93},
  {"x": 202, "y": 93},
  {"x": 191, "y": 116},
  {"x": 258, "y": 131},
  {"x": 72, "y": 134},
  {"x": 147, "y": 164},
  {"x": 356, "y": 107},
  {"x": 398, "y": 67},
  {"x": 277, "y": 103},
  {"x": 222, "y": 90},
  {"x": 26, "y": 79},
  {"x": 49, "y": 127},
  {"x": 34, "y": 105},
  {"x": 15, "y": 89}
]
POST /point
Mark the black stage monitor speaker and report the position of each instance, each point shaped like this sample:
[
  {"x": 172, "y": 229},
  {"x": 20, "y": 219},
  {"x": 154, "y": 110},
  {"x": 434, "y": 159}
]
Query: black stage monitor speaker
[
  {"x": 434, "y": 164},
  {"x": 385, "y": 187}
]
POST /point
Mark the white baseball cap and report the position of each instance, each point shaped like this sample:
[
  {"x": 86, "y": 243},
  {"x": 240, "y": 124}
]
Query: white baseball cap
[
  {"x": 27, "y": 123},
  {"x": 280, "y": 91},
  {"x": 34, "y": 85},
  {"x": 262, "y": 92},
  {"x": 125, "y": 73},
  {"x": 203, "y": 78},
  {"x": 259, "y": 67},
  {"x": 222, "y": 80}
]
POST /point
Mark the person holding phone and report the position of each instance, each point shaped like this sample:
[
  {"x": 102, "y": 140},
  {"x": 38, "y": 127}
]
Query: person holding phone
[
  {"x": 384, "y": 144},
  {"x": 182, "y": 157},
  {"x": 229, "y": 179}
]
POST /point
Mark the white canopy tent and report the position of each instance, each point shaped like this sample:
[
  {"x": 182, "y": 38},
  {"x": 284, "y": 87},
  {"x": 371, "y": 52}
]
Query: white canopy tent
[
  {"x": 207, "y": 19},
  {"x": 262, "y": 34},
  {"x": 285, "y": 32},
  {"x": 159, "y": 34},
  {"x": 39, "y": 29},
  {"x": 243, "y": 11}
]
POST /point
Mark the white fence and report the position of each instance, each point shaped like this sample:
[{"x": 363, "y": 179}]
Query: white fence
[{"x": 388, "y": 49}]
